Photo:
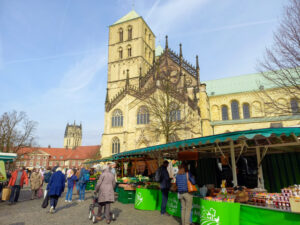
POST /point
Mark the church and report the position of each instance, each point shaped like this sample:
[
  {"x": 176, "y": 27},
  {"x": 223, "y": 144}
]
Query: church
[{"x": 136, "y": 68}]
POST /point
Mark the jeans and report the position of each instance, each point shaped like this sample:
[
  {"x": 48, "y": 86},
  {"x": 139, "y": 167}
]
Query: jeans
[
  {"x": 15, "y": 192},
  {"x": 186, "y": 201},
  {"x": 53, "y": 200},
  {"x": 69, "y": 194},
  {"x": 164, "y": 201},
  {"x": 81, "y": 191}
]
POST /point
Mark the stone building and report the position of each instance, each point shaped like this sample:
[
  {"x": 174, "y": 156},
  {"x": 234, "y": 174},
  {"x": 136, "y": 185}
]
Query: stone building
[
  {"x": 135, "y": 69},
  {"x": 73, "y": 136}
]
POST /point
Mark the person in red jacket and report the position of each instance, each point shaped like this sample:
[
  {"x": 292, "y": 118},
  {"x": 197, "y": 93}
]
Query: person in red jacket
[{"x": 18, "y": 178}]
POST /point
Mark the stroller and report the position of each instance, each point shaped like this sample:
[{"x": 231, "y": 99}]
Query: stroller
[{"x": 93, "y": 213}]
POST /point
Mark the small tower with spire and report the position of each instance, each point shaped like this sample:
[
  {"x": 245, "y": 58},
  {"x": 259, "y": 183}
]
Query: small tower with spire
[{"x": 73, "y": 136}]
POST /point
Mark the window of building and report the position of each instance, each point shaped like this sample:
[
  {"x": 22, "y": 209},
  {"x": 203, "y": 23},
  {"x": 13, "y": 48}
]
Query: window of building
[
  {"x": 37, "y": 163},
  {"x": 129, "y": 50},
  {"x": 143, "y": 115},
  {"x": 44, "y": 163},
  {"x": 235, "y": 110},
  {"x": 79, "y": 163},
  {"x": 31, "y": 163},
  {"x": 175, "y": 113},
  {"x": 246, "y": 111},
  {"x": 120, "y": 34},
  {"x": 61, "y": 163},
  {"x": 25, "y": 163},
  {"x": 115, "y": 145},
  {"x": 50, "y": 163},
  {"x": 54, "y": 157},
  {"x": 22, "y": 156},
  {"x": 61, "y": 157},
  {"x": 117, "y": 118},
  {"x": 45, "y": 157},
  {"x": 129, "y": 32},
  {"x": 39, "y": 157},
  {"x": 120, "y": 53},
  {"x": 149, "y": 37},
  {"x": 224, "y": 112},
  {"x": 294, "y": 106}
]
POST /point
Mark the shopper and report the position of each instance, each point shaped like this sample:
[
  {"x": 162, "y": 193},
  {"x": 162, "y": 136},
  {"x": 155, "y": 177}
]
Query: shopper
[
  {"x": 82, "y": 180},
  {"x": 18, "y": 177},
  {"x": 186, "y": 198},
  {"x": 71, "y": 182},
  {"x": 47, "y": 175},
  {"x": 106, "y": 195},
  {"x": 35, "y": 183},
  {"x": 55, "y": 188},
  {"x": 165, "y": 184}
]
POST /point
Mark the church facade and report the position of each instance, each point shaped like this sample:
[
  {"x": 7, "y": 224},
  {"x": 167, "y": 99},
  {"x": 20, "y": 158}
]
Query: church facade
[
  {"x": 73, "y": 136},
  {"x": 135, "y": 70}
]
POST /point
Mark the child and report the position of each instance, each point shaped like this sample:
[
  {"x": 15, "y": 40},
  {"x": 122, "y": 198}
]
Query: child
[{"x": 71, "y": 181}]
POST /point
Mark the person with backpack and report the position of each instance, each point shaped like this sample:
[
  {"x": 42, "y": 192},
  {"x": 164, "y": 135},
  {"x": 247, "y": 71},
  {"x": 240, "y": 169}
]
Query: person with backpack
[
  {"x": 162, "y": 176},
  {"x": 47, "y": 175},
  {"x": 84, "y": 177}
]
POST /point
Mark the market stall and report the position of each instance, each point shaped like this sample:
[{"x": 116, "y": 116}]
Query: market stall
[{"x": 231, "y": 147}]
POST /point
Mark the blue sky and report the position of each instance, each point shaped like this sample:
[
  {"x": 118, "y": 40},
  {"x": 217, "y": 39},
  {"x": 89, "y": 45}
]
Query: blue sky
[{"x": 53, "y": 53}]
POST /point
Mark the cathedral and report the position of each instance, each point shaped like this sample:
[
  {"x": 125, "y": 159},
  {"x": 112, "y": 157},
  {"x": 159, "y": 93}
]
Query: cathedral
[
  {"x": 136, "y": 69},
  {"x": 73, "y": 136}
]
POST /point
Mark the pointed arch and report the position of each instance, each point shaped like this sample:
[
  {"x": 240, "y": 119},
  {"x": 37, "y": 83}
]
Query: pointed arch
[
  {"x": 143, "y": 116},
  {"x": 117, "y": 118},
  {"x": 115, "y": 145}
]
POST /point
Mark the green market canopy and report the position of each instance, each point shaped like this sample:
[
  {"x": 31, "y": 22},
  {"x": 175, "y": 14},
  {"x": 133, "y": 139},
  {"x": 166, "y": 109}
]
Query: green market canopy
[
  {"x": 105, "y": 159},
  {"x": 7, "y": 157},
  {"x": 270, "y": 139}
]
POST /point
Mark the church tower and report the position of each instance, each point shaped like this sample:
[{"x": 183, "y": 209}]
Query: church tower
[
  {"x": 73, "y": 136},
  {"x": 131, "y": 48}
]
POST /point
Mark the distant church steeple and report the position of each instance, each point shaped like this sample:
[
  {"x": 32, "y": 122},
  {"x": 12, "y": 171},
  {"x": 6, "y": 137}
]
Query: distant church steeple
[{"x": 73, "y": 135}]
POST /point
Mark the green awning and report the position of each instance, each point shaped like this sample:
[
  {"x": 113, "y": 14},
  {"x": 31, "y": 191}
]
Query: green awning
[
  {"x": 8, "y": 157},
  {"x": 105, "y": 159},
  {"x": 248, "y": 134}
]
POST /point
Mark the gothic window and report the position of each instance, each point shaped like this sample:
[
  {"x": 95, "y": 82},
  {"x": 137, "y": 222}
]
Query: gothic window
[
  {"x": 120, "y": 34},
  {"x": 246, "y": 111},
  {"x": 224, "y": 112},
  {"x": 129, "y": 32},
  {"x": 143, "y": 115},
  {"x": 175, "y": 114},
  {"x": 120, "y": 53},
  {"x": 117, "y": 118},
  {"x": 115, "y": 145},
  {"x": 294, "y": 106},
  {"x": 149, "y": 37},
  {"x": 149, "y": 55},
  {"x": 129, "y": 50},
  {"x": 235, "y": 110}
]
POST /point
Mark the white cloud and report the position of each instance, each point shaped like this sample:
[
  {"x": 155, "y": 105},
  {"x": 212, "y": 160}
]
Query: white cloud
[{"x": 165, "y": 16}]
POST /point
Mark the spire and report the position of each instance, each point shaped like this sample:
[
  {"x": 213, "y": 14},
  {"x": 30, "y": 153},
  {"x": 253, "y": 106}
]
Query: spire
[
  {"x": 106, "y": 99},
  {"x": 167, "y": 42},
  {"x": 198, "y": 69},
  {"x": 180, "y": 50},
  {"x": 127, "y": 79}
]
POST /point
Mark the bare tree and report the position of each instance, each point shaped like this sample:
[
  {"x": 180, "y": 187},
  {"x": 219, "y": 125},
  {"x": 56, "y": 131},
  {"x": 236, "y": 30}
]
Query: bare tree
[
  {"x": 168, "y": 116},
  {"x": 281, "y": 64},
  {"x": 16, "y": 131}
]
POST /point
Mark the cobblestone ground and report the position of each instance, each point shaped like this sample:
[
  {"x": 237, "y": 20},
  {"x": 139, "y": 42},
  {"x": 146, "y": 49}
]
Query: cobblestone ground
[{"x": 29, "y": 212}]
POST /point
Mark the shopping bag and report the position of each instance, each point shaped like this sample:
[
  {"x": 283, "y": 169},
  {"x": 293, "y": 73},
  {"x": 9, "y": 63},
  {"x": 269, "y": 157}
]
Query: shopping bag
[
  {"x": 191, "y": 187},
  {"x": 40, "y": 193},
  {"x": 45, "y": 201},
  {"x": 6, "y": 194}
]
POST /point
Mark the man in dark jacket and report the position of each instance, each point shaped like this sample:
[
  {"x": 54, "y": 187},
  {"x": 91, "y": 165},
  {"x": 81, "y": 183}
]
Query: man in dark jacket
[{"x": 165, "y": 184}]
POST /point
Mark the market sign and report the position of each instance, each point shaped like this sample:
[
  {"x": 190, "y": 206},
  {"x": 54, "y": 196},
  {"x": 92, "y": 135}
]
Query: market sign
[
  {"x": 2, "y": 171},
  {"x": 207, "y": 212}
]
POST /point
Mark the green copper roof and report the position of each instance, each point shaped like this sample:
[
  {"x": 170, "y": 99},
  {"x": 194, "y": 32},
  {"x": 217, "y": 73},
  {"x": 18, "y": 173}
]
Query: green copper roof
[
  {"x": 158, "y": 50},
  {"x": 130, "y": 16},
  {"x": 237, "y": 84}
]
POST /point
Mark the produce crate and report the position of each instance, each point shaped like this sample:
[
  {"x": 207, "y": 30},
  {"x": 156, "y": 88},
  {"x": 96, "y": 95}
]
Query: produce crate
[
  {"x": 90, "y": 185},
  {"x": 126, "y": 197},
  {"x": 295, "y": 205}
]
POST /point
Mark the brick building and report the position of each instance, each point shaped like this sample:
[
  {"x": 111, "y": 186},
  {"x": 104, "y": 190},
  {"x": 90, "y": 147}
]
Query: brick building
[{"x": 49, "y": 157}]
